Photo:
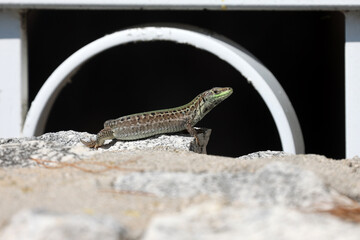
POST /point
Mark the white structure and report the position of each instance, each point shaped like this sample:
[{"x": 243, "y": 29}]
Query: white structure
[
  {"x": 260, "y": 77},
  {"x": 13, "y": 74},
  {"x": 13, "y": 65},
  {"x": 352, "y": 83}
]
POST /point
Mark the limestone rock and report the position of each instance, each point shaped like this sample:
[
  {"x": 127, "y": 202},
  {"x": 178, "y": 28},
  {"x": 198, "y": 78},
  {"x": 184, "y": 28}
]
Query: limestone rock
[
  {"x": 212, "y": 221},
  {"x": 265, "y": 195},
  {"x": 275, "y": 184},
  {"x": 178, "y": 142},
  {"x": 66, "y": 146},
  {"x": 34, "y": 224},
  {"x": 264, "y": 154}
]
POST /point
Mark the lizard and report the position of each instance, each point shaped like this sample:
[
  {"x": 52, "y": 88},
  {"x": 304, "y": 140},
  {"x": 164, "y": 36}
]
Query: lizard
[{"x": 147, "y": 124}]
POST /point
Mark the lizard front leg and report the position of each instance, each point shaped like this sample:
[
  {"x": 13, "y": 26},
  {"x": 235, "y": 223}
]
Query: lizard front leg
[
  {"x": 192, "y": 132},
  {"x": 104, "y": 134}
]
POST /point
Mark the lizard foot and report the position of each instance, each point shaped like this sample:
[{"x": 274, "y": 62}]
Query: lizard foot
[{"x": 90, "y": 144}]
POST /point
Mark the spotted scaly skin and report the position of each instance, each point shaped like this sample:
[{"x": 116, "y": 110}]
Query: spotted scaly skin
[{"x": 147, "y": 124}]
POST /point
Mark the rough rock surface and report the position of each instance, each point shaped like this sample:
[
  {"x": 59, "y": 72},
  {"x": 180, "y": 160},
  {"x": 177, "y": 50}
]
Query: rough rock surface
[
  {"x": 166, "y": 191},
  {"x": 264, "y": 154},
  {"x": 214, "y": 221},
  {"x": 66, "y": 145},
  {"x": 275, "y": 184},
  {"x": 40, "y": 224}
]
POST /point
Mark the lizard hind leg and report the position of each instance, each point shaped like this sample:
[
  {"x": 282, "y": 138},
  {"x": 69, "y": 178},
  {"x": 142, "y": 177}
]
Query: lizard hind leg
[
  {"x": 103, "y": 135},
  {"x": 89, "y": 144}
]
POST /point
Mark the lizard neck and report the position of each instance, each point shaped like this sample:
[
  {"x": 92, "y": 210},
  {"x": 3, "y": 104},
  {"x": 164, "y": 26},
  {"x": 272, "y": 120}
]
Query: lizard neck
[
  {"x": 203, "y": 103},
  {"x": 196, "y": 109}
]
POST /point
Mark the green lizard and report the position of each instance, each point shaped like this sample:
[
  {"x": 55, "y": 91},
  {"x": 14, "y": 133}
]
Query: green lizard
[{"x": 147, "y": 124}]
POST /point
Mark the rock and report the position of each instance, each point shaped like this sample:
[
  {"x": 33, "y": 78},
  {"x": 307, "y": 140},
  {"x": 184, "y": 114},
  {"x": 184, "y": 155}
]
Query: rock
[
  {"x": 175, "y": 185},
  {"x": 37, "y": 224},
  {"x": 275, "y": 184},
  {"x": 66, "y": 146},
  {"x": 60, "y": 146},
  {"x": 265, "y": 154},
  {"x": 281, "y": 183},
  {"x": 212, "y": 221},
  {"x": 277, "y": 197},
  {"x": 179, "y": 142}
]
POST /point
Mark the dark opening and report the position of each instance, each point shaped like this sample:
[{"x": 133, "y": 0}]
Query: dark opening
[{"x": 304, "y": 50}]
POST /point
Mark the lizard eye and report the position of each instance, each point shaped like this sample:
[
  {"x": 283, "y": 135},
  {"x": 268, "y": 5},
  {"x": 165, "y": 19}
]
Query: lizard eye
[{"x": 216, "y": 91}]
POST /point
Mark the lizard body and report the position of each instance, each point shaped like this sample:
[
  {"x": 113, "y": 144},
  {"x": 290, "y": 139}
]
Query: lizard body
[{"x": 147, "y": 124}]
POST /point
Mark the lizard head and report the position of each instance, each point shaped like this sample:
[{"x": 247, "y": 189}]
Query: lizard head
[
  {"x": 210, "y": 99},
  {"x": 216, "y": 95}
]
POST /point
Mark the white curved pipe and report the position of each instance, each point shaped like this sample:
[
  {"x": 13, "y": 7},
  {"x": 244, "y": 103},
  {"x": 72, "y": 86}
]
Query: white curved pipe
[{"x": 257, "y": 74}]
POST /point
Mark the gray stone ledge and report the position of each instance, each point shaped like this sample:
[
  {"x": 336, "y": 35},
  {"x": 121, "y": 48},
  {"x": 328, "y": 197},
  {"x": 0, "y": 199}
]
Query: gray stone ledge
[{"x": 66, "y": 145}]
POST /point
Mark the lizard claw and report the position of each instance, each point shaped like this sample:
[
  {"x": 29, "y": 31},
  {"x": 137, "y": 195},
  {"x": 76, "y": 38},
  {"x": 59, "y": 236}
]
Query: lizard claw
[{"x": 197, "y": 140}]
